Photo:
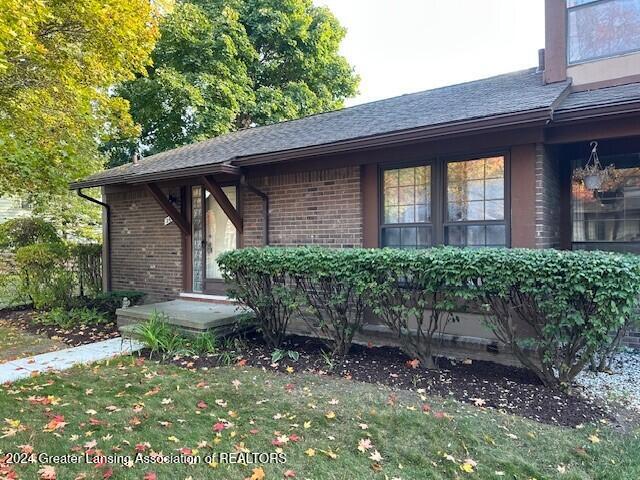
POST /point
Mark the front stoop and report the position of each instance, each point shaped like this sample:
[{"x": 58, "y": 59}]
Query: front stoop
[{"x": 190, "y": 317}]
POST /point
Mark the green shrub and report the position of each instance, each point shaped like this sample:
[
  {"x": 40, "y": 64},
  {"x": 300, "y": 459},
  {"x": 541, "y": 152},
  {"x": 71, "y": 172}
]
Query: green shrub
[
  {"x": 20, "y": 232},
  {"x": 87, "y": 262},
  {"x": 326, "y": 285},
  {"x": 555, "y": 309},
  {"x": 108, "y": 303},
  {"x": 334, "y": 283},
  {"x": 45, "y": 278},
  {"x": 416, "y": 293},
  {"x": 11, "y": 292},
  {"x": 259, "y": 279},
  {"x": 64, "y": 318}
]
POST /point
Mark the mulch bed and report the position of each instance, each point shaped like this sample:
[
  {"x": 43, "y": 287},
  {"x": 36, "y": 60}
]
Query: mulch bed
[
  {"x": 487, "y": 384},
  {"x": 79, "y": 335}
]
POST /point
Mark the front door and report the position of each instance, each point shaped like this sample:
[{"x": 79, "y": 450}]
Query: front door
[{"x": 213, "y": 233}]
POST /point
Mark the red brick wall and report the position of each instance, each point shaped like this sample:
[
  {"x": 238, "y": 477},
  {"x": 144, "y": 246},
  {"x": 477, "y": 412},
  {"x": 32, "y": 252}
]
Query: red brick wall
[
  {"x": 145, "y": 254},
  {"x": 321, "y": 207}
]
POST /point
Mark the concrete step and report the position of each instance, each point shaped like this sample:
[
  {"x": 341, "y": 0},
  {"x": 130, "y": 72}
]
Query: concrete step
[{"x": 190, "y": 317}]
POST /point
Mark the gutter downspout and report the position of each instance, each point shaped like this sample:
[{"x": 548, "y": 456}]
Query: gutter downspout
[
  {"x": 106, "y": 242},
  {"x": 265, "y": 207}
]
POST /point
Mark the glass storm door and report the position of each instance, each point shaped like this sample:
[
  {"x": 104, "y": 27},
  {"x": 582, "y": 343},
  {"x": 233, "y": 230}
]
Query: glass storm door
[{"x": 213, "y": 233}]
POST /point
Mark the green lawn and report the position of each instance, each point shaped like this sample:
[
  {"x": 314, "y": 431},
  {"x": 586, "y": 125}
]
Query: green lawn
[{"x": 123, "y": 406}]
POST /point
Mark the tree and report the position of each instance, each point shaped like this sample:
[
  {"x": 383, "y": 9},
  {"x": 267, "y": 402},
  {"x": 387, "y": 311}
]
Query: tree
[
  {"x": 58, "y": 60},
  {"x": 222, "y": 65}
]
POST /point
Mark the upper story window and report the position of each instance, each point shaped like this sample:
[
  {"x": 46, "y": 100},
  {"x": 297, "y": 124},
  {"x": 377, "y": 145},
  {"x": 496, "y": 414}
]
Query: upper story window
[{"x": 602, "y": 28}]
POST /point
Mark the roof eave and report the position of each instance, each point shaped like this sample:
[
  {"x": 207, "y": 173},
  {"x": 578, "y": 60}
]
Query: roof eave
[
  {"x": 540, "y": 116},
  {"x": 134, "y": 179},
  {"x": 530, "y": 117},
  {"x": 590, "y": 111}
]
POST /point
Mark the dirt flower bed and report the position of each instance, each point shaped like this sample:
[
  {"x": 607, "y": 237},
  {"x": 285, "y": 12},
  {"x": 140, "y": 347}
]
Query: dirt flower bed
[
  {"x": 483, "y": 384},
  {"x": 78, "y": 335}
]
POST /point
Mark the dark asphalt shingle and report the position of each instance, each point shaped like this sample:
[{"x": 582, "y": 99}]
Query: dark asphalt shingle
[
  {"x": 600, "y": 97},
  {"x": 504, "y": 94}
]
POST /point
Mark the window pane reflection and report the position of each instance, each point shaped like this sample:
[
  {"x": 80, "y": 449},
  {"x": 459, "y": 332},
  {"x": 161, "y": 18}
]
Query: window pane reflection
[
  {"x": 611, "y": 214},
  {"x": 475, "y": 190}
]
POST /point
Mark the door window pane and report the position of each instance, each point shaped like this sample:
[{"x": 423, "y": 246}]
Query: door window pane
[
  {"x": 197, "y": 236},
  {"x": 220, "y": 232}
]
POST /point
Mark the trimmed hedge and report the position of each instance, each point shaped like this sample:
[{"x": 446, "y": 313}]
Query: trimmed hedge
[
  {"x": 258, "y": 278},
  {"x": 554, "y": 309}
]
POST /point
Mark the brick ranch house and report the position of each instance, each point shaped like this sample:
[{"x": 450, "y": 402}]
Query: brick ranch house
[{"x": 484, "y": 163}]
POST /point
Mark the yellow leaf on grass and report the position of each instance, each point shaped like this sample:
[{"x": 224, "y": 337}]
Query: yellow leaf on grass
[
  {"x": 310, "y": 452},
  {"x": 330, "y": 415},
  {"x": 257, "y": 474},
  {"x": 594, "y": 439}
]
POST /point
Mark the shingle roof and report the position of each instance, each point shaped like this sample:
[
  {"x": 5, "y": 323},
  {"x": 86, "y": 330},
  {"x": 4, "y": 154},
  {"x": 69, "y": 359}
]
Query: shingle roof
[
  {"x": 511, "y": 93},
  {"x": 600, "y": 97}
]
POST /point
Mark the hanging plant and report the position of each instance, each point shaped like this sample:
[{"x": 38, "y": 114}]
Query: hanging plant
[{"x": 593, "y": 175}]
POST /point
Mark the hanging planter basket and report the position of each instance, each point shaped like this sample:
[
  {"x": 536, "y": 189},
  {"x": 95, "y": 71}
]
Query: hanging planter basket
[
  {"x": 593, "y": 175},
  {"x": 592, "y": 181}
]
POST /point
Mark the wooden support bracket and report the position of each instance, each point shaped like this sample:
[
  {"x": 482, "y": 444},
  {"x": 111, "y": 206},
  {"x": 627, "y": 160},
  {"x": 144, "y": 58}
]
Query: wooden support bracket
[
  {"x": 169, "y": 209},
  {"x": 227, "y": 207}
]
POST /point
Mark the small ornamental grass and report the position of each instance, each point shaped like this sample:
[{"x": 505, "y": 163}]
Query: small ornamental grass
[{"x": 556, "y": 310}]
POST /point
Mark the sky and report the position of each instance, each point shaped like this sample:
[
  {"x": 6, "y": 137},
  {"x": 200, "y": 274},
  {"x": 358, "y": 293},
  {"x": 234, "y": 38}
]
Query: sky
[{"x": 405, "y": 46}]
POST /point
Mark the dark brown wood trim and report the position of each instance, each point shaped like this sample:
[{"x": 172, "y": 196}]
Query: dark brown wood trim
[
  {"x": 555, "y": 51},
  {"x": 187, "y": 241},
  {"x": 539, "y": 117},
  {"x": 523, "y": 196},
  {"x": 370, "y": 202},
  {"x": 169, "y": 209},
  {"x": 618, "y": 126},
  {"x": 227, "y": 207}
]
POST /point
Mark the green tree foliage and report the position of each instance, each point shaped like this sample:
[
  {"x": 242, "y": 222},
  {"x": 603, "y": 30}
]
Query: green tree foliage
[
  {"x": 72, "y": 216},
  {"x": 58, "y": 59},
  {"x": 222, "y": 65},
  {"x": 20, "y": 232}
]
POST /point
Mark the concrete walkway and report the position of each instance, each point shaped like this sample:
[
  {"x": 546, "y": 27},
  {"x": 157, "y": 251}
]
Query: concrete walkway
[{"x": 67, "y": 358}]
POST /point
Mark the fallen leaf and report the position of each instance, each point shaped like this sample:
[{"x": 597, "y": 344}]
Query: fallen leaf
[
  {"x": 415, "y": 363},
  {"x": 375, "y": 456},
  {"x": 47, "y": 472},
  {"x": 257, "y": 474}
]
